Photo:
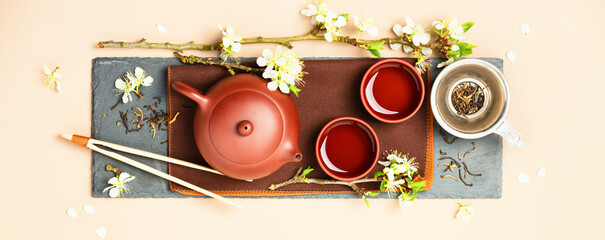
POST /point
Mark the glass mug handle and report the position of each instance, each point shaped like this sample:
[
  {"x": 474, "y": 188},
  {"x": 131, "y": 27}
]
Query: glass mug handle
[{"x": 514, "y": 138}]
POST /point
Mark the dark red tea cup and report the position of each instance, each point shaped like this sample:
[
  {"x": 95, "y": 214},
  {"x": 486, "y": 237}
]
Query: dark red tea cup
[
  {"x": 392, "y": 90},
  {"x": 347, "y": 148}
]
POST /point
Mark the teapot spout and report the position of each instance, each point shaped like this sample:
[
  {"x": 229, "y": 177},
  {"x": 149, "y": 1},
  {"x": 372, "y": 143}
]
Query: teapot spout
[
  {"x": 190, "y": 92},
  {"x": 293, "y": 154}
]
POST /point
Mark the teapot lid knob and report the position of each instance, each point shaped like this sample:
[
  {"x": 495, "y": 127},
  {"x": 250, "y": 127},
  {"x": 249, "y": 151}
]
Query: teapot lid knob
[{"x": 245, "y": 128}]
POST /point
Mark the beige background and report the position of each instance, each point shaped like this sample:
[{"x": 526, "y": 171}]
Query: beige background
[{"x": 557, "y": 97}]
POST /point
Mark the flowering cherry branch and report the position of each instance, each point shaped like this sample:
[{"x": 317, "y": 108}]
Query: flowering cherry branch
[{"x": 412, "y": 38}]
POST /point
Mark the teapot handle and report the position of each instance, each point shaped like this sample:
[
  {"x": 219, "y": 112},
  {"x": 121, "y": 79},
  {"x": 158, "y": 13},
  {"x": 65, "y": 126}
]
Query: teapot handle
[{"x": 190, "y": 92}]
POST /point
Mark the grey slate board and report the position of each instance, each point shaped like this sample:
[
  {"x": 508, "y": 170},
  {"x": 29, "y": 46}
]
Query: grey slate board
[{"x": 486, "y": 159}]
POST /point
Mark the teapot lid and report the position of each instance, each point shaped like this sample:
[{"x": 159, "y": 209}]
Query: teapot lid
[{"x": 246, "y": 127}]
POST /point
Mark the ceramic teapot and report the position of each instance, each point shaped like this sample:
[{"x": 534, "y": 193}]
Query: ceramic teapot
[{"x": 242, "y": 129}]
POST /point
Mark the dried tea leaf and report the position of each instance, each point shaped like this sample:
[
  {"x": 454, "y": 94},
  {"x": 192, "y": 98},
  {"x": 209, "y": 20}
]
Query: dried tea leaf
[
  {"x": 72, "y": 212},
  {"x": 523, "y": 178}
]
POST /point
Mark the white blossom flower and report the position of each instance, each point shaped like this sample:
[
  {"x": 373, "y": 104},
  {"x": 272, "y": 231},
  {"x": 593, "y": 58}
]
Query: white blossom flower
[
  {"x": 365, "y": 24},
  {"x": 118, "y": 185},
  {"x": 422, "y": 62},
  {"x": 332, "y": 24},
  {"x": 415, "y": 31},
  {"x": 318, "y": 12},
  {"x": 231, "y": 42},
  {"x": 52, "y": 78},
  {"x": 283, "y": 68},
  {"x": 140, "y": 77},
  {"x": 452, "y": 25},
  {"x": 125, "y": 87},
  {"x": 464, "y": 211}
]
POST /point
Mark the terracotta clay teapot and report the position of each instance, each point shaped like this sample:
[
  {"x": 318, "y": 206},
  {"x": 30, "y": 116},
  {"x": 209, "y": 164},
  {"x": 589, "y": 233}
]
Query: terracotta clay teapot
[{"x": 243, "y": 129}]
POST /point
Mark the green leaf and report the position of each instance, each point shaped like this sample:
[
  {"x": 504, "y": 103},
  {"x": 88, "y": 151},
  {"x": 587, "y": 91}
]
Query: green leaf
[
  {"x": 382, "y": 187},
  {"x": 345, "y": 15},
  {"x": 376, "y": 45},
  {"x": 466, "y": 26},
  {"x": 231, "y": 71},
  {"x": 452, "y": 39},
  {"x": 375, "y": 53},
  {"x": 462, "y": 45},
  {"x": 453, "y": 53},
  {"x": 294, "y": 89},
  {"x": 378, "y": 174},
  {"x": 307, "y": 171},
  {"x": 437, "y": 31},
  {"x": 366, "y": 201},
  {"x": 468, "y": 51},
  {"x": 373, "y": 194}
]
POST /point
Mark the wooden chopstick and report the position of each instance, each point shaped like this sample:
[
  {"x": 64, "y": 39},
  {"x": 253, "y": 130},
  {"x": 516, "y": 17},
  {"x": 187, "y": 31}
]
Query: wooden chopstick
[{"x": 88, "y": 143}]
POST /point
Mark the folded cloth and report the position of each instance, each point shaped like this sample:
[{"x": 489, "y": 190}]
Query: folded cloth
[{"x": 331, "y": 91}]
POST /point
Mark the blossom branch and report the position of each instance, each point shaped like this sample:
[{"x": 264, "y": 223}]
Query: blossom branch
[
  {"x": 191, "y": 59},
  {"x": 300, "y": 177},
  {"x": 144, "y": 44}
]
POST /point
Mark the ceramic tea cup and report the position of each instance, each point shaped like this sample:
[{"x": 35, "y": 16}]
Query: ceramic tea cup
[
  {"x": 490, "y": 118},
  {"x": 347, "y": 148},
  {"x": 392, "y": 90}
]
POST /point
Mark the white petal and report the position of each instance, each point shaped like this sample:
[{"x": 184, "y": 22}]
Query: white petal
[
  {"x": 356, "y": 19},
  {"x": 113, "y": 181},
  {"x": 512, "y": 56},
  {"x": 236, "y": 47},
  {"x": 523, "y": 178},
  {"x": 267, "y": 54},
  {"x": 139, "y": 72},
  {"x": 320, "y": 18},
  {"x": 72, "y": 212},
  {"x": 340, "y": 21},
  {"x": 101, "y": 232},
  {"x": 524, "y": 29},
  {"x": 269, "y": 74},
  {"x": 439, "y": 26},
  {"x": 328, "y": 37},
  {"x": 313, "y": 21},
  {"x": 147, "y": 81},
  {"x": 226, "y": 42},
  {"x": 89, "y": 209},
  {"x": 161, "y": 28},
  {"x": 281, "y": 62},
  {"x": 384, "y": 163},
  {"x": 416, "y": 40},
  {"x": 47, "y": 70},
  {"x": 283, "y": 87},
  {"x": 409, "y": 22},
  {"x": 407, "y": 30},
  {"x": 395, "y": 46},
  {"x": 427, "y": 51},
  {"x": 224, "y": 55},
  {"x": 455, "y": 48},
  {"x": 221, "y": 27},
  {"x": 128, "y": 179},
  {"x": 424, "y": 38},
  {"x": 397, "y": 29},
  {"x": 56, "y": 75},
  {"x": 58, "y": 87},
  {"x": 114, "y": 192},
  {"x": 272, "y": 85},
  {"x": 441, "y": 64},
  {"x": 307, "y": 12},
  {"x": 541, "y": 172},
  {"x": 125, "y": 99},
  {"x": 261, "y": 61},
  {"x": 123, "y": 176},
  {"x": 407, "y": 48},
  {"x": 373, "y": 31}
]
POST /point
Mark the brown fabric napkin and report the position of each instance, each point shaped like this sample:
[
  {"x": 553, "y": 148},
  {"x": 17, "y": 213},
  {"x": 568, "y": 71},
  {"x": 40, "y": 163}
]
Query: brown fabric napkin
[{"x": 331, "y": 91}]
